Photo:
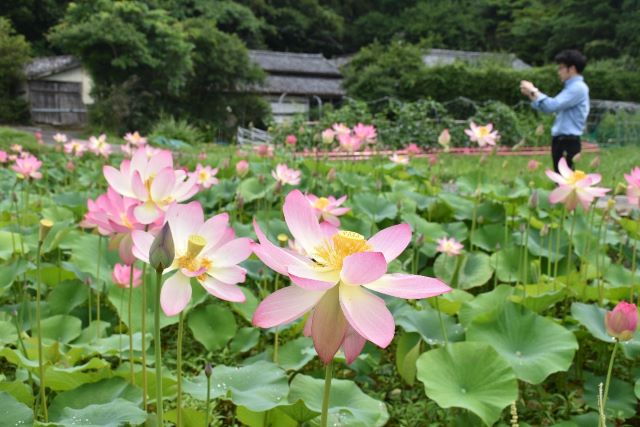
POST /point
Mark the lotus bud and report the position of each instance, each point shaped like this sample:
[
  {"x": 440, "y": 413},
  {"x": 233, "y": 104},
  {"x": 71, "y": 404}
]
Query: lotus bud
[
  {"x": 622, "y": 322},
  {"x": 331, "y": 175},
  {"x": 14, "y": 197},
  {"x": 207, "y": 370},
  {"x": 45, "y": 227},
  {"x": 577, "y": 157},
  {"x": 533, "y": 200},
  {"x": 621, "y": 188},
  {"x": 611, "y": 203},
  {"x": 420, "y": 239},
  {"x": 282, "y": 239},
  {"x": 545, "y": 230},
  {"x": 162, "y": 251},
  {"x": 239, "y": 202},
  {"x": 595, "y": 162}
]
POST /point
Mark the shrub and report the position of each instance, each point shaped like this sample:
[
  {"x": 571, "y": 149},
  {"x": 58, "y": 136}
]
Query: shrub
[
  {"x": 169, "y": 127},
  {"x": 14, "y": 54}
]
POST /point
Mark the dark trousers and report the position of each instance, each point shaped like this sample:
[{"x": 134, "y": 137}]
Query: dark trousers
[{"x": 565, "y": 146}]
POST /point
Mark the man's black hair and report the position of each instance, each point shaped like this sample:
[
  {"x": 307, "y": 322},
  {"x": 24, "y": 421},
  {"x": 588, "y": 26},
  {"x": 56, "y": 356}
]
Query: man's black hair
[{"x": 572, "y": 57}]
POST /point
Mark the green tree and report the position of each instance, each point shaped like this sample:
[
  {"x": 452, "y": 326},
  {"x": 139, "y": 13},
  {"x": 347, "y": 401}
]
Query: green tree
[{"x": 14, "y": 55}]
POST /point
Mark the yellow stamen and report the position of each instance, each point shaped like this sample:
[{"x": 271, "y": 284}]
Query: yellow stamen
[
  {"x": 577, "y": 176},
  {"x": 344, "y": 243},
  {"x": 321, "y": 203},
  {"x": 195, "y": 245},
  {"x": 483, "y": 131}
]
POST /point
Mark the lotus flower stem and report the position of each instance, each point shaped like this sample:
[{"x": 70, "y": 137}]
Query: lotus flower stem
[
  {"x": 557, "y": 249},
  {"x": 99, "y": 288},
  {"x": 583, "y": 264},
  {"x": 208, "y": 408},
  {"x": 144, "y": 337},
  {"x": 277, "y": 333},
  {"x": 325, "y": 396},
  {"x": 473, "y": 222},
  {"x": 444, "y": 330},
  {"x": 600, "y": 289},
  {"x": 179, "y": 370},
  {"x": 158, "y": 350},
  {"x": 525, "y": 274},
  {"x": 570, "y": 251},
  {"x": 606, "y": 385},
  {"x": 633, "y": 269},
  {"x": 43, "y": 394},
  {"x": 130, "y": 325}
]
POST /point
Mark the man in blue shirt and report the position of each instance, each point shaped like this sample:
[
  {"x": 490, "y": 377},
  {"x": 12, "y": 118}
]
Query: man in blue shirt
[{"x": 571, "y": 106}]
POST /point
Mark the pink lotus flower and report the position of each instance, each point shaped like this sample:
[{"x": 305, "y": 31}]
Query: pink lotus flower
[
  {"x": 433, "y": 160},
  {"x": 284, "y": 175},
  {"x": 622, "y": 322},
  {"x": 75, "y": 147},
  {"x": 574, "y": 187},
  {"x": 349, "y": 143},
  {"x": 202, "y": 156},
  {"x": 27, "y": 167},
  {"x": 205, "y": 176},
  {"x": 334, "y": 281},
  {"x": 328, "y": 135},
  {"x": 121, "y": 274},
  {"x": 533, "y": 165},
  {"x": 483, "y": 135},
  {"x": 399, "y": 159},
  {"x": 3, "y": 156},
  {"x": 60, "y": 138},
  {"x": 70, "y": 166},
  {"x": 135, "y": 139},
  {"x": 99, "y": 146},
  {"x": 445, "y": 140},
  {"x": 328, "y": 208},
  {"x": 153, "y": 182},
  {"x": 341, "y": 129},
  {"x": 366, "y": 133},
  {"x": 449, "y": 246},
  {"x": 264, "y": 150},
  {"x": 207, "y": 251},
  {"x": 413, "y": 149},
  {"x": 633, "y": 186},
  {"x": 16, "y": 147},
  {"x": 242, "y": 167},
  {"x": 291, "y": 140}
]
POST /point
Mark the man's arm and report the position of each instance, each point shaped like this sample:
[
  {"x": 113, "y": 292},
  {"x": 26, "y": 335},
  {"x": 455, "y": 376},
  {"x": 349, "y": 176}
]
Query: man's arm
[{"x": 568, "y": 97}]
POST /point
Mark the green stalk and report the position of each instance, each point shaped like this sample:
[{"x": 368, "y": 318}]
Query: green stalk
[
  {"x": 633, "y": 269},
  {"x": 603, "y": 416},
  {"x": 276, "y": 335},
  {"x": 526, "y": 258},
  {"x": 444, "y": 330},
  {"x": 570, "y": 252},
  {"x": 130, "y": 325},
  {"x": 99, "y": 288},
  {"x": 206, "y": 423},
  {"x": 600, "y": 289},
  {"x": 454, "y": 277},
  {"x": 557, "y": 249},
  {"x": 144, "y": 337},
  {"x": 158, "y": 351},
  {"x": 473, "y": 222},
  {"x": 179, "y": 369},
  {"x": 43, "y": 395},
  {"x": 325, "y": 395}
]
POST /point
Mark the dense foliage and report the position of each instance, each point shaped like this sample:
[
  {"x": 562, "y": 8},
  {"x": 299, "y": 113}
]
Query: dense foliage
[{"x": 14, "y": 54}]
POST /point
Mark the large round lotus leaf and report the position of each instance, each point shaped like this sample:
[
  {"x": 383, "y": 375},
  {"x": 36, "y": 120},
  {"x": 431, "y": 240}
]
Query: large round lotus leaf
[
  {"x": 485, "y": 305},
  {"x": 14, "y": 413},
  {"x": 489, "y": 236},
  {"x": 212, "y": 325},
  {"x": 377, "y": 208},
  {"x": 62, "y": 328},
  {"x": 116, "y": 413},
  {"x": 469, "y": 375},
  {"x": 259, "y": 386},
  {"x": 535, "y": 346},
  {"x": 510, "y": 266},
  {"x": 427, "y": 323},
  {"x": 97, "y": 393},
  {"x": 348, "y": 405},
  {"x": 251, "y": 189},
  {"x": 621, "y": 403},
  {"x": 474, "y": 269}
]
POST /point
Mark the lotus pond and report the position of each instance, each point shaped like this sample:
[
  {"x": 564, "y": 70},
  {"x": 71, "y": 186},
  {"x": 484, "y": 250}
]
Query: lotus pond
[{"x": 456, "y": 293}]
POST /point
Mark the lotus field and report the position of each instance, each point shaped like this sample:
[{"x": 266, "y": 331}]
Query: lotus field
[{"x": 214, "y": 286}]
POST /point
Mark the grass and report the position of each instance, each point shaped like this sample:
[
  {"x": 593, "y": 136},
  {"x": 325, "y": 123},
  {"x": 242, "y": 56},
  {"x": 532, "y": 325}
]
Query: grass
[{"x": 8, "y": 137}]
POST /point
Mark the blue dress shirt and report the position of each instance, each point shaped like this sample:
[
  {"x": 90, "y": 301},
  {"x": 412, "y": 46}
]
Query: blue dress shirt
[{"x": 571, "y": 106}]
